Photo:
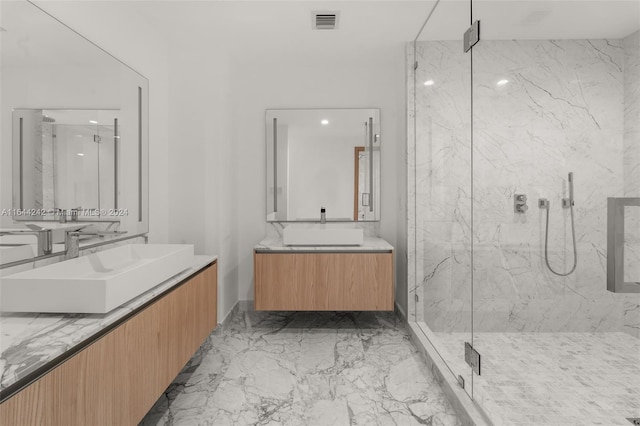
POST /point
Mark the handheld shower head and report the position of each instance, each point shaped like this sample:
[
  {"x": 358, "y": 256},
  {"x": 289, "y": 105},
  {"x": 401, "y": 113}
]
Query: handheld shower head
[{"x": 571, "y": 187}]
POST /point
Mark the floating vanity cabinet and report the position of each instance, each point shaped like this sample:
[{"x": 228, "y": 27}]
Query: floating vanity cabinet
[
  {"x": 323, "y": 280},
  {"x": 116, "y": 379}
]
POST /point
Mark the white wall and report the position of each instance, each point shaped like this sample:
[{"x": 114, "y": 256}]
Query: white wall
[
  {"x": 261, "y": 83},
  {"x": 207, "y": 148}
]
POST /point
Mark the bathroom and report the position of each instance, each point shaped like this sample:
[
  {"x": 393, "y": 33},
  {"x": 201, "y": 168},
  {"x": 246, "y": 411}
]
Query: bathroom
[{"x": 461, "y": 152}]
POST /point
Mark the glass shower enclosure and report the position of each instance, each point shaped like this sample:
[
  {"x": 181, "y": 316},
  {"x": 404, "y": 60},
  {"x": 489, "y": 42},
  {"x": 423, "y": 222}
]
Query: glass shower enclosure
[{"x": 522, "y": 148}]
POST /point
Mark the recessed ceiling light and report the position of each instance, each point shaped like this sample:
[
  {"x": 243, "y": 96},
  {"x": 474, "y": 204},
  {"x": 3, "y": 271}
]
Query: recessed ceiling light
[
  {"x": 429, "y": 83},
  {"x": 324, "y": 122},
  {"x": 81, "y": 154},
  {"x": 93, "y": 122},
  {"x": 502, "y": 82}
]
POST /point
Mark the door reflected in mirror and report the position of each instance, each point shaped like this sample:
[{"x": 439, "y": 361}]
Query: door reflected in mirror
[{"x": 323, "y": 158}]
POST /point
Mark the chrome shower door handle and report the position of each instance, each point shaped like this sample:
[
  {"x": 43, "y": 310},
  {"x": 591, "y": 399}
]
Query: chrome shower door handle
[
  {"x": 371, "y": 164},
  {"x": 615, "y": 245},
  {"x": 275, "y": 165}
]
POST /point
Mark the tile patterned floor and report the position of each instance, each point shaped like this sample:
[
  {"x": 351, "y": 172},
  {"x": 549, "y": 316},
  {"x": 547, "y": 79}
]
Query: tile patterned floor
[
  {"x": 552, "y": 378},
  {"x": 305, "y": 369}
]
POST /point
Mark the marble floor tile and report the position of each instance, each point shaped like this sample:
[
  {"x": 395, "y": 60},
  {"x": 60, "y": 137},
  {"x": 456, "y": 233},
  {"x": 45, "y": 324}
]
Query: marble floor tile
[
  {"x": 305, "y": 368},
  {"x": 552, "y": 378}
]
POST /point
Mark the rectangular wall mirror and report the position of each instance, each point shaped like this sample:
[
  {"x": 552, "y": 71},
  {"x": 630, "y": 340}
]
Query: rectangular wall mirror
[
  {"x": 323, "y": 158},
  {"x": 65, "y": 159},
  {"x": 73, "y": 137}
]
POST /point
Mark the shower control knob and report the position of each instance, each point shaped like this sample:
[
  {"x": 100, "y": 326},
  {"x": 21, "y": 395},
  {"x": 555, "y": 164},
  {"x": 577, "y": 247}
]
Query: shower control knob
[{"x": 520, "y": 203}]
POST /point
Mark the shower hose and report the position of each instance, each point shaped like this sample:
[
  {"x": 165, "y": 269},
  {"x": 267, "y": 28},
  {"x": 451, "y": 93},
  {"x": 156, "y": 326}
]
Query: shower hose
[{"x": 546, "y": 244}]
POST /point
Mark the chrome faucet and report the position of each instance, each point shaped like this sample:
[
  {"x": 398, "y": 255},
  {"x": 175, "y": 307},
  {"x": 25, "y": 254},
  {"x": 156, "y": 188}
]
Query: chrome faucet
[
  {"x": 62, "y": 215},
  {"x": 73, "y": 213},
  {"x": 72, "y": 243},
  {"x": 43, "y": 236}
]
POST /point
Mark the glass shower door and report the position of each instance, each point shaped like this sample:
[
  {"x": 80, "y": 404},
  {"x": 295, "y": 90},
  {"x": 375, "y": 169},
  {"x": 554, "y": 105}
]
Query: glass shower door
[
  {"x": 441, "y": 177},
  {"x": 556, "y": 119}
]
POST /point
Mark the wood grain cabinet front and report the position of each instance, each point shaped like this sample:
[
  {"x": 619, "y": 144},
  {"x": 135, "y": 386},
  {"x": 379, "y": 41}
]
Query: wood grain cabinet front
[
  {"x": 118, "y": 378},
  {"x": 323, "y": 281}
]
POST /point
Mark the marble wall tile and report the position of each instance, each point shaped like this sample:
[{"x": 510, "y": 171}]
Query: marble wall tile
[
  {"x": 568, "y": 106},
  {"x": 439, "y": 182},
  {"x": 631, "y": 45}
]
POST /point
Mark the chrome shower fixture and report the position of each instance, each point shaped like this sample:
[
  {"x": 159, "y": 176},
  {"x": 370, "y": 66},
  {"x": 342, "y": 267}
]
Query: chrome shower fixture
[
  {"x": 520, "y": 203},
  {"x": 567, "y": 203},
  {"x": 543, "y": 203}
]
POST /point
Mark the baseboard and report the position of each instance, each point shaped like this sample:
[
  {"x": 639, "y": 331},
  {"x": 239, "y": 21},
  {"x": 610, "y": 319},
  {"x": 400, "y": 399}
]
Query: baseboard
[
  {"x": 400, "y": 312},
  {"x": 227, "y": 319},
  {"x": 468, "y": 412},
  {"x": 246, "y": 305}
]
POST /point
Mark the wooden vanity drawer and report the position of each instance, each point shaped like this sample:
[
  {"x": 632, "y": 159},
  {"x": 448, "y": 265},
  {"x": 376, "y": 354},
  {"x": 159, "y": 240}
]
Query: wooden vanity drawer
[
  {"x": 323, "y": 281},
  {"x": 117, "y": 379}
]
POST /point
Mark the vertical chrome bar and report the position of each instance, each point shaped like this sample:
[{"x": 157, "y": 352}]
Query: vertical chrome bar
[
  {"x": 21, "y": 165},
  {"x": 371, "y": 198},
  {"x": 115, "y": 163},
  {"x": 275, "y": 165},
  {"x": 570, "y": 180},
  {"x": 97, "y": 138},
  {"x": 615, "y": 245},
  {"x": 139, "y": 154}
]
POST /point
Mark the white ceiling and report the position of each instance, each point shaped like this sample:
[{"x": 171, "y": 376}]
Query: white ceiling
[
  {"x": 284, "y": 28},
  {"x": 370, "y": 31},
  {"x": 377, "y": 24},
  {"x": 535, "y": 20}
]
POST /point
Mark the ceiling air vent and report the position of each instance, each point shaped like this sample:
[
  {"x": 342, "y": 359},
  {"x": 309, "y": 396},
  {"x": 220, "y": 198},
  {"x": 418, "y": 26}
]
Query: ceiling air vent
[{"x": 325, "y": 20}]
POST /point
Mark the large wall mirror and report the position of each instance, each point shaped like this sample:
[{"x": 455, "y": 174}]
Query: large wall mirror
[
  {"x": 73, "y": 137},
  {"x": 323, "y": 158}
]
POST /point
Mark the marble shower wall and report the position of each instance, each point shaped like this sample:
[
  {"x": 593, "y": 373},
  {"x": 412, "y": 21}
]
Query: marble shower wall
[
  {"x": 439, "y": 184},
  {"x": 563, "y": 110}
]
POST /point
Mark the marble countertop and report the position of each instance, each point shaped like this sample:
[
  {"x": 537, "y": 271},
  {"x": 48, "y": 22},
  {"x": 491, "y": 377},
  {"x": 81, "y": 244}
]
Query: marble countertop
[
  {"x": 28, "y": 341},
  {"x": 371, "y": 244}
]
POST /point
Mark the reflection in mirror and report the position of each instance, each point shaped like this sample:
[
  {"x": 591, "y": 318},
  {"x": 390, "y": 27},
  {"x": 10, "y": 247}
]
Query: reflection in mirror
[
  {"x": 323, "y": 158},
  {"x": 67, "y": 161},
  {"x": 73, "y": 138}
]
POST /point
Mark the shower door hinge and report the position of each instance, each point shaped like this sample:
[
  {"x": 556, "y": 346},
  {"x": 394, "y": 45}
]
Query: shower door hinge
[
  {"x": 417, "y": 297},
  {"x": 461, "y": 381},
  {"x": 472, "y": 357},
  {"x": 415, "y": 65},
  {"x": 471, "y": 36}
]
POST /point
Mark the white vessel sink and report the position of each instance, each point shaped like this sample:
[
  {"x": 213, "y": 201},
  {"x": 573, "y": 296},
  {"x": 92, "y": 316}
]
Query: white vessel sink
[
  {"x": 323, "y": 234},
  {"x": 96, "y": 283}
]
